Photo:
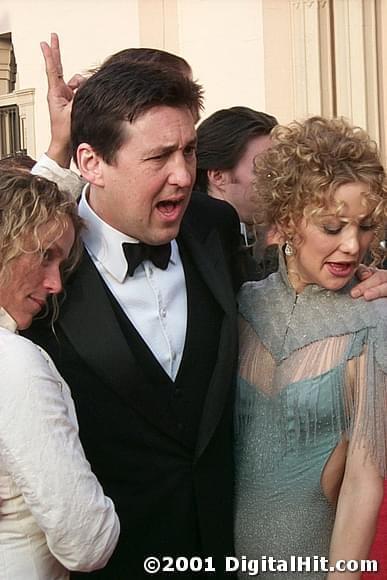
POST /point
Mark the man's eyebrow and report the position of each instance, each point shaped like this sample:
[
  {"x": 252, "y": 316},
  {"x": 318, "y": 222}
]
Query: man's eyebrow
[
  {"x": 193, "y": 142},
  {"x": 164, "y": 149},
  {"x": 161, "y": 150}
]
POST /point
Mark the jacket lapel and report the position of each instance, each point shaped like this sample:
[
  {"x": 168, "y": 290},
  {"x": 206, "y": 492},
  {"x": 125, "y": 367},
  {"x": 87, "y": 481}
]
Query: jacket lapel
[
  {"x": 209, "y": 258},
  {"x": 92, "y": 328}
]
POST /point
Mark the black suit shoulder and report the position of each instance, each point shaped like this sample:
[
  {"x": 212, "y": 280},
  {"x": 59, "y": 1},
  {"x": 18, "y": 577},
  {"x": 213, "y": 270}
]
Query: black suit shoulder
[{"x": 205, "y": 213}]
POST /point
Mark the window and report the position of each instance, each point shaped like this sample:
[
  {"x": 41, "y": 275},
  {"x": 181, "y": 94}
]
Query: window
[
  {"x": 10, "y": 134},
  {"x": 8, "y": 67},
  {"x": 17, "y": 129}
]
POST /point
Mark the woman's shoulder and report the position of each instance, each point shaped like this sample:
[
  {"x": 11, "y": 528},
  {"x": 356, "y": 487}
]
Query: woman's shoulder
[
  {"x": 256, "y": 287},
  {"x": 378, "y": 309},
  {"x": 19, "y": 357},
  {"x": 373, "y": 313},
  {"x": 378, "y": 319},
  {"x": 256, "y": 293},
  {"x": 12, "y": 343}
]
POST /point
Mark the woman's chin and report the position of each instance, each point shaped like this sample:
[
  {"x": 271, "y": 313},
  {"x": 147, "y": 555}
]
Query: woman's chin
[{"x": 23, "y": 324}]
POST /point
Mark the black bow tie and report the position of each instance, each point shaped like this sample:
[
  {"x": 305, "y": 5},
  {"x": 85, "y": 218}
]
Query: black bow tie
[{"x": 135, "y": 254}]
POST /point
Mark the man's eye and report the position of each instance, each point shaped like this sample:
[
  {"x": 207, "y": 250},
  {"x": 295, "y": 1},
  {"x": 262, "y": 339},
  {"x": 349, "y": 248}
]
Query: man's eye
[
  {"x": 190, "y": 151},
  {"x": 159, "y": 157}
]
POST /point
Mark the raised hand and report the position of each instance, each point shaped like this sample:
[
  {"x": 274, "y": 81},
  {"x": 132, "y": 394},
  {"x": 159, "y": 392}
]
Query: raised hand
[{"x": 60, "y": 98}]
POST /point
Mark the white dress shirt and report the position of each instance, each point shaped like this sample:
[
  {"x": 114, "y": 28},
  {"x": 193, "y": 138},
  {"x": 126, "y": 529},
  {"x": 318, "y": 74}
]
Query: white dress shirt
[
  {"x": 154, "y": 300},
  {"x": 53, "y": 512}
]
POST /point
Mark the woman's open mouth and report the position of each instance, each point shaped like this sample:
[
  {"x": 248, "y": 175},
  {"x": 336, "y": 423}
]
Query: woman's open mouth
[{"x": 341, "y": 269}]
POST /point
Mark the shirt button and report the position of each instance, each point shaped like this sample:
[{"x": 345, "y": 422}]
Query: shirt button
[
  {"x": 180, "y": 426},
  {"x": 174, "y": 356},
  {"x": 150, "y": 270},
  {"x": 177, "y": 392},
  {"x": 163, "y": 312}
]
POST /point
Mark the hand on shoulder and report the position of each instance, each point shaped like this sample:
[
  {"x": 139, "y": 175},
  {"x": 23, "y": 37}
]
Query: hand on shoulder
[{"x": 373, "y": 284}]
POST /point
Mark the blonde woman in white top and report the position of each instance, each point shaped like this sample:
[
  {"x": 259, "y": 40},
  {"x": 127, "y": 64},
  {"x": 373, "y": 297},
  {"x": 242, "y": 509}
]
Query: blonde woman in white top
[{"x": 54, "y": 516}]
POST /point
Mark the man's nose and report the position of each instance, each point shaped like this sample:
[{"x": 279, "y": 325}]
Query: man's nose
[{"x": 181, "y": 173}]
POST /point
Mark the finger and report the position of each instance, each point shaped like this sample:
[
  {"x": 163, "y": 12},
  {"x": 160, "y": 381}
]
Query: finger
[
  {"x": 376, "y": 292},
  {"x": 56, "y": 57},
  {"x": 76, "y": 81},
  {"x": 51, "y": 72},
  {"x": 358, "y": 291},
  {"x": 374, "y": 286},
  {"x": 364, "y": 272}
]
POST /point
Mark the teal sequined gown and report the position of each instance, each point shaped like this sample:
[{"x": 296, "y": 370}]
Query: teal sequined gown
[{"x": 303, "y": 361}]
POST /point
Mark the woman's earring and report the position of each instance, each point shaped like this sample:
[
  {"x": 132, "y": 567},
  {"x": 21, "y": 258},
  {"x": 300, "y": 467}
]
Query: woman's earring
[{"x": 288, "y": 249}]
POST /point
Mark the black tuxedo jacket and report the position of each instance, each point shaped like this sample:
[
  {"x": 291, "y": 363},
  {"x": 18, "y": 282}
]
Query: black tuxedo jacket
[{"x": 172, "y": 498}]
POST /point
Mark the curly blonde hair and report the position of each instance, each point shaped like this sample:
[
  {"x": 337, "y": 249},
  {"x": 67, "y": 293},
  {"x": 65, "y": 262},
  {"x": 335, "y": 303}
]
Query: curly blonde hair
[
  {"x": 28, "y": 202},
  {"x": 299, "y": 175}
]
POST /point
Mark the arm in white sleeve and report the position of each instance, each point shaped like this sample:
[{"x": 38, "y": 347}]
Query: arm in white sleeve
[
  {"x": 40, "y": 448},
  {"x": 65, "y": 179}
]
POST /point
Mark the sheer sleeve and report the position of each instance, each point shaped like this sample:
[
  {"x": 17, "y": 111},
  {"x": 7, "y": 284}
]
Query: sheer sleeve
[{"x": 366, "y": 389}]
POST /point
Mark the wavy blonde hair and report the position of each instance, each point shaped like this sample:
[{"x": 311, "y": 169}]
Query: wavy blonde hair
[
  {"x": 28, "y": 202},
  {"x": 299, "y": 175}
]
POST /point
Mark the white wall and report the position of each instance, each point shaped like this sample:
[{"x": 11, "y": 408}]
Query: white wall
[
  {"x": 89, "y": 30},
  {"x": 223, "y": 42},
  {"x": 221, "y": 39},
  {"x": 244, "y": 52}
]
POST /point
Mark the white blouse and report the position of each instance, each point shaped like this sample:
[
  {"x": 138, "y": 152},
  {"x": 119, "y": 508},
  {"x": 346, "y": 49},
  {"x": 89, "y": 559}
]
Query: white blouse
[{"x": 54, "y": 515}]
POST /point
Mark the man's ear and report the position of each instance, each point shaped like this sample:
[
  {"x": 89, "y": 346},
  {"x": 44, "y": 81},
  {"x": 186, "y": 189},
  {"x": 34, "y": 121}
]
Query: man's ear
[
  {"x": 278, "y": 234},
  {"x": 217, "y": 179},
  {"x": 273, "y": 236},
  {"x": 90, "y": 164}
]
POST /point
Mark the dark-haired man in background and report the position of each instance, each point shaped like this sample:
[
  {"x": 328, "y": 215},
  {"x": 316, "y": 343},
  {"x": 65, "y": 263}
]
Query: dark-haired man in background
[{"x": 228, "y": 142}]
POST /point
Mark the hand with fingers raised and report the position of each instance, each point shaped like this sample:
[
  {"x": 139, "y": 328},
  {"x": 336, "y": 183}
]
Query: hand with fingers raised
[{"x": 60, "y": 98}]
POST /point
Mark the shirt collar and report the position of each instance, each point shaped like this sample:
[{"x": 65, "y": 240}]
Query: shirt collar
[
  {"x": 104, "y": 242},
  {"x": 6, "y": 320}
]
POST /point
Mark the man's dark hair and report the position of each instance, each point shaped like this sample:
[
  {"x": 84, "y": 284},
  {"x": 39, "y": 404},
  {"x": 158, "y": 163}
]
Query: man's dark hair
[
  {"x": 155, "y": 55},
  {"x": 224, "y": 136},
  {"x": 121, "y": 92}
]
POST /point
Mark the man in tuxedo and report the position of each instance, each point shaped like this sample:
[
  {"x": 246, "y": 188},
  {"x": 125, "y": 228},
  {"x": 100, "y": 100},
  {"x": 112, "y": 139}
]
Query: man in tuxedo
[{"x": 146, "y": 336}]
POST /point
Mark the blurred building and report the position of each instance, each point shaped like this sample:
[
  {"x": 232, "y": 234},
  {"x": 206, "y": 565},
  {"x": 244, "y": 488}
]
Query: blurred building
[{"x": 292, "y": 58}]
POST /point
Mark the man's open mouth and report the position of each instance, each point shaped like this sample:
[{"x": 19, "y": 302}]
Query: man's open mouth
[{"x": 170, "y": 208}]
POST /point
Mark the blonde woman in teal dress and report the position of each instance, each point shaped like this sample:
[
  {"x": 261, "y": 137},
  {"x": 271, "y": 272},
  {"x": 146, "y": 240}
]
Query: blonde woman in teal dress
[{"x": 311, "y": 410}]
